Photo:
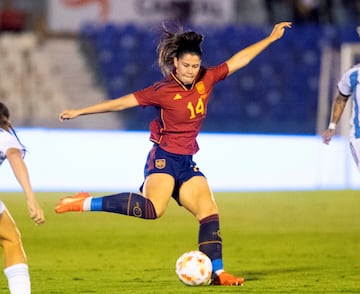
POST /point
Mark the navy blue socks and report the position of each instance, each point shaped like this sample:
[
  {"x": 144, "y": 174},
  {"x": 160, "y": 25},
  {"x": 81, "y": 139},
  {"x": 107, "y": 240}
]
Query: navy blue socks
[
  {"x": 125, "y": 203},
  {"x": 210, "y": 241}
]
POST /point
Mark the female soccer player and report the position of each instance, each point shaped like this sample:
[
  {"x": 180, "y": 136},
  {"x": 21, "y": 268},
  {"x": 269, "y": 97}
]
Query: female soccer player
[
  {"x": 170, "y": 171},
  {"x": 16, "y": 268}
]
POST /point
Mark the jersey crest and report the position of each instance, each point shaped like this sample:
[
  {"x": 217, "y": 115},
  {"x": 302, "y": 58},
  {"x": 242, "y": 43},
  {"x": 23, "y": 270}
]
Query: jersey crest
[
  {"x": 160, "y": 163},
  {"x": 200, "y": 87}
]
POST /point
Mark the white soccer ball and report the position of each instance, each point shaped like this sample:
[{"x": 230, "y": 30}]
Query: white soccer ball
[{"x": 194, "y": 268}]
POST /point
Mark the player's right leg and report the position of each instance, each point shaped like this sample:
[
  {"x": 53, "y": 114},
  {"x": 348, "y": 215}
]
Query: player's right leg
[
  {"x": 10, "y": 240},
  {"x": 15, "y": 264},
  {"x": 157, "y": 188},
  {"x": 355, "y": 151}
]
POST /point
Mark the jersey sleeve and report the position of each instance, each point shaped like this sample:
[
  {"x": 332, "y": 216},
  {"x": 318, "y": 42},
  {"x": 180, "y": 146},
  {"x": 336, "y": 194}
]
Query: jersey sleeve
[
  {"x": 8, "y": 141},
  {"x": 219, "y": 72},
  {"x": 348, "y": 81},
  {"x": 146, "y": 97}
]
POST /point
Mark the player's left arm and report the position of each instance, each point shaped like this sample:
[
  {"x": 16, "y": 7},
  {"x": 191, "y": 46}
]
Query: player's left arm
[{"x": 244, "y": 56}]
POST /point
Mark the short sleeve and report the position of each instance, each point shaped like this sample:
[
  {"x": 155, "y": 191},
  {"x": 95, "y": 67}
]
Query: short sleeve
[
  {"x": 146, "y": 96},
  {"x": 8, "y": 141},
  {"x": 349, "y": 81}
]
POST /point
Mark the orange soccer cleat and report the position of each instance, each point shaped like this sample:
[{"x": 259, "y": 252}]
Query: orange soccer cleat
[
  {"x": 225, "y": 279},
  {"x": 72, "y": 203}
]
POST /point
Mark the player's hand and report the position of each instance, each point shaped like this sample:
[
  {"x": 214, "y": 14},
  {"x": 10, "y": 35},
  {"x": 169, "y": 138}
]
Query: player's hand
[
  {"x": 327, "y": 136},
  {"x": 68, "y": 114},
  {"x": 279, "y": 29},
  {"x": 36, "y": 213}
]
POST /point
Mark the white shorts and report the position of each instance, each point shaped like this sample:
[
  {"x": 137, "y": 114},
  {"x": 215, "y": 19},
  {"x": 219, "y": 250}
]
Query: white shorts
[
  {"x": 2, "y": 207},
  {"x": 355, "y": 151}
]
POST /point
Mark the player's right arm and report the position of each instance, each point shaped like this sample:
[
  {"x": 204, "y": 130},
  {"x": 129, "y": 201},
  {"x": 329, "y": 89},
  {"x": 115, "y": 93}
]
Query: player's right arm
[
  {"x": 14, "y": 156},
  {"x": 118, "y": 104},
  {"x": 337, "y": 109}
]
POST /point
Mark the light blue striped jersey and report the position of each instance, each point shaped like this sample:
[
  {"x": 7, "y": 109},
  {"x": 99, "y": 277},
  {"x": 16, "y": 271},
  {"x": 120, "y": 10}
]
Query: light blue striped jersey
[
  {"x": 8, "y": 140},
  {"x": 349, "y": 86}
]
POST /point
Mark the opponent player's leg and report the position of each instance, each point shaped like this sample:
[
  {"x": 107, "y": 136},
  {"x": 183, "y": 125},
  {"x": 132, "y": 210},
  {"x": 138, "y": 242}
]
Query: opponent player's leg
[
  {"x": 15, "y": 264},
  {"x": 196, "y": 196},
  {"x": 157, "y": 188},
  {"x": 355, "y": 151}
]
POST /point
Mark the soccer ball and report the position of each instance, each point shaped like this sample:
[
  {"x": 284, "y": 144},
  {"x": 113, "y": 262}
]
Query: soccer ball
[{"x": 194, "y": 268}]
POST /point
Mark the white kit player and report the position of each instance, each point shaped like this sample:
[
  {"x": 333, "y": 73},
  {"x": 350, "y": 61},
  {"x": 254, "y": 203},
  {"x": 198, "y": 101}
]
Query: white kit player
[
  {"x": 15, "y": 264},
  {"x": 348, "y": 86}
]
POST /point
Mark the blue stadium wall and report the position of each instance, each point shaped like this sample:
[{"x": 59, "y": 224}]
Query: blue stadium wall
[{"x": 276, "y": 93}]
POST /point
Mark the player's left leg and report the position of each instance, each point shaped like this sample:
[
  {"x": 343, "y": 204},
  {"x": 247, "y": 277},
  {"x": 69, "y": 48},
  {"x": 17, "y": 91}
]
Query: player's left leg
[
  {"x": 355, "y": 151},
  {"x": 196, "y": 196},
  {"x": 15, "y": 264}
]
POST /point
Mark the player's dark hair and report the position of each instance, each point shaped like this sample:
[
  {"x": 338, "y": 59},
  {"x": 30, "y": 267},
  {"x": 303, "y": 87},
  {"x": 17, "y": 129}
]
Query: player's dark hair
[
  {"x": 176, "y": 44},
  {"x": 4, "y": 116},
  {"x": 5, "y": 120}
]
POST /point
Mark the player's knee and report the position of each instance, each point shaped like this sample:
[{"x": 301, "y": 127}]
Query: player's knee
[
  {"x": 13, "y": 252},
  {"x": 13, "y": 245},
  {"x": 206, "y": 210},
  {"x": 159, "y": 211},
  {"x": 10, "y": 237}
]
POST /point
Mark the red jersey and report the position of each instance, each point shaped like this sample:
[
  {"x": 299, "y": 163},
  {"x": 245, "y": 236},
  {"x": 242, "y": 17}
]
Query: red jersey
[{"x": 181, "y": 109}]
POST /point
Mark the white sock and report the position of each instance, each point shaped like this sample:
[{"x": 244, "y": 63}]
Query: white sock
[
  {"x": 87, "y": 204},
  {"x": 18, "y": 278},
  {"x": 219, "y": 272}
]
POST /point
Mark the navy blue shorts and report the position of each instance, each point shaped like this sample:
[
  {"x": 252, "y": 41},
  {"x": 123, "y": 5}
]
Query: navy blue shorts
[{"x": 180, "y": 167}]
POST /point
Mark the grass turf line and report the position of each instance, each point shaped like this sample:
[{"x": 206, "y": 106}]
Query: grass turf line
[{"x": 281, "y": 242}]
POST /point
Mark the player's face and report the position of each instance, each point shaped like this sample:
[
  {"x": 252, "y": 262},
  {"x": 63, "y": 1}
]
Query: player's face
[{"x": 187, "y": 67}]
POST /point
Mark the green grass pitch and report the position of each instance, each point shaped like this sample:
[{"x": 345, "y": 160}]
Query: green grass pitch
[{"x": 281, "y": 242}]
